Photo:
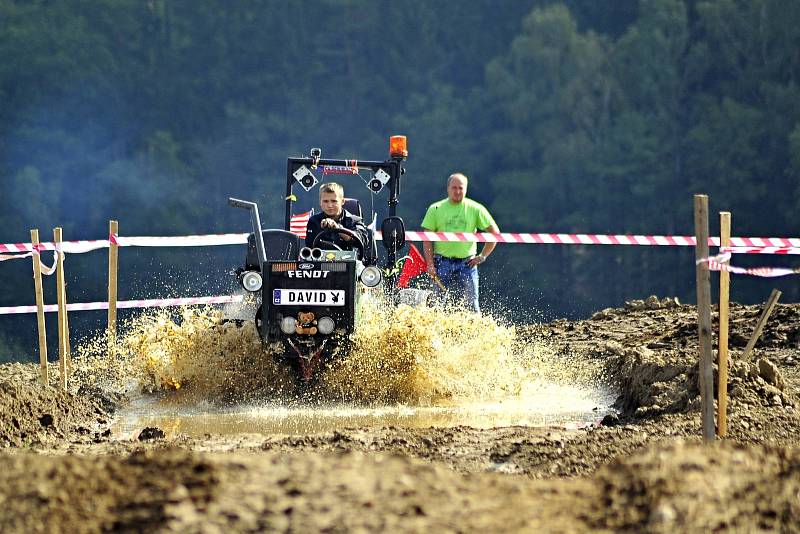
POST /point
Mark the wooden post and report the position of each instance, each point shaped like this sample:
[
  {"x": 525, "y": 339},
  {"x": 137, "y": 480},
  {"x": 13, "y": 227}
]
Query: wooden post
[
  {"x": 704, "y": 315},
  {"x": 62, "y": 311},
  {"x": 113, "y": 250},
  {"x": 722, "y": 352},
  {"x": 66, "y": 326},
  {"x": 765, "y": 313},
  {"x": 37, "y": 284}
]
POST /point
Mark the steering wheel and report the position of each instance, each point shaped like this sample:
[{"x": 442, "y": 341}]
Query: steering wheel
[{"x": 341, "y": 230}]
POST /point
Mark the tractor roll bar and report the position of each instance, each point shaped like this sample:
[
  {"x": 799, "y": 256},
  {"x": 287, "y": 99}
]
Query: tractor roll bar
[{"x": 393, "y": 167}]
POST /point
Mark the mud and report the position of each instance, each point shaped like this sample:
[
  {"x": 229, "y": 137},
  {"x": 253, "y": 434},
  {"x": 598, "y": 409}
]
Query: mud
[{"x": 643, "y": 469}]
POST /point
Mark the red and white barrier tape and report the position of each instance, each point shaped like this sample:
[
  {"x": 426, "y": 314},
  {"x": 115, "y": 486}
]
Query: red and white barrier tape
[
  {"x": 761, "y": 242},
  {"x": 763, "y": 272},
  {"x": 183, "y": 241},
  {"x": 43, "y": 269},
  {"x": 761, "y": 250},
  {"x": 25, "y": 250},
  {"x": 79, "y": 247},
  {"x": 721, "y": 263},
  {"x": 760, "y": 245},
  {"x": 147, "y": 303},
  {"x": 716, "y": 263},
  {"x": 5, "y": 257},
  {"x": 551, "y": 239},
  {"x": 748, "y": 245},
  {"x": 74, "y": 247}
]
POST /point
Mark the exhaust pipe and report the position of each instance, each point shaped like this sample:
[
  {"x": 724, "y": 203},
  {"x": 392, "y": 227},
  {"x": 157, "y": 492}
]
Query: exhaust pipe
[
  {"x": 316, "y": 253},
  {"x": 305, "y": 253}
]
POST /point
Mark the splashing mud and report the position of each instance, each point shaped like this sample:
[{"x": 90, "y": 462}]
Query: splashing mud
[
  {"x": 194, "y": 351},
  {"x": 421, "y": 355},
  {"x": 415, "y": 359}
]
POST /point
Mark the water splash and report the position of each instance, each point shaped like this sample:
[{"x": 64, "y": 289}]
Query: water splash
[
  {"x": 194, "y": 351},
  {"x": 425, "y": 355},
  {"x": 400, "y": 354}
]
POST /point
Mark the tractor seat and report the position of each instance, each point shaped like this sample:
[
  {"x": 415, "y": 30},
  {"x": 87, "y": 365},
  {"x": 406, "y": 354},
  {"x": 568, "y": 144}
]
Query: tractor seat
[
  {"x": 353, "y": 207},
  {"x": 279, "y": 245}
]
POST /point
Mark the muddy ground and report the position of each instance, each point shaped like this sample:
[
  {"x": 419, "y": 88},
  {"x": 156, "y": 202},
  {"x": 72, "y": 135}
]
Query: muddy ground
[{"x": 646, "y": 469}]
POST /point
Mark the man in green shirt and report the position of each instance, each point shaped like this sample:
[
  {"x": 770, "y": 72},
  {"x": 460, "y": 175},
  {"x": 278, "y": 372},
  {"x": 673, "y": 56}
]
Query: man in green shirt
[{"x": 455, "y": 264}]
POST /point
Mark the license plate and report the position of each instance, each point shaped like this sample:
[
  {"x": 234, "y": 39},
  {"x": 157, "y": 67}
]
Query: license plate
[{"x": 308, "y": 297}]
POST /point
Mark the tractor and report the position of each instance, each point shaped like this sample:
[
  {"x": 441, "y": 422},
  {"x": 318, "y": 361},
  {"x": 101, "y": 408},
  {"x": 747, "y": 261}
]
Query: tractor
[{"x": 309, "y": 295}]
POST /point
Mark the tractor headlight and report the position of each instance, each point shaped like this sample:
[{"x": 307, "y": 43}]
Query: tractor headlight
[
  {"x": 370, "y": 276},
  {"x": 251, "y": 281},
  {"x": 325, "y": 325},
  {"x": 288, "y": 325}
]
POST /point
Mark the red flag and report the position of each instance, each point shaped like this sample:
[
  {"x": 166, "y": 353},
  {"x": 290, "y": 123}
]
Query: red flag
[{"x": 414, "y": 265}]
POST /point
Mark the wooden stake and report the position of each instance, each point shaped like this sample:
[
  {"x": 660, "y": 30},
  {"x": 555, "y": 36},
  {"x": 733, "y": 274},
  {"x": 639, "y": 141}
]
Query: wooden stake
[
  {"x": 37, "y": 284},
  {"x": 724, "y": 300},
  {"x": 773, "y": 299},
  {"x": 62, "y": 310},
  {"x": 704, "y": 315},
  {"x": 66, "y": 327},
  {"x": 113, "y": 251}
]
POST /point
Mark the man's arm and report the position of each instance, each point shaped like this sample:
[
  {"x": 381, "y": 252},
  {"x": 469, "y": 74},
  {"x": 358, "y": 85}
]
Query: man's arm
[
  {"x": 429, "y": 224},
  {"x": 488, "y": 247},
  {"x": 427, "y": 251}
]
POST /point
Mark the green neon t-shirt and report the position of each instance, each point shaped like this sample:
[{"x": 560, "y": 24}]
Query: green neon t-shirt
[{"x": 467, "y": 216}]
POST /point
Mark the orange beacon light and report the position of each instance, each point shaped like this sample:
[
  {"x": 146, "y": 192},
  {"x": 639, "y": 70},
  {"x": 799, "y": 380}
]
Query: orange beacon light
[{"x": 398, "y": 147}]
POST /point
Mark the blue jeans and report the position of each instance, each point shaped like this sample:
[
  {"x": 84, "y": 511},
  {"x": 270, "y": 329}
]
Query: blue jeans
[{"x": 460, "y": 281}]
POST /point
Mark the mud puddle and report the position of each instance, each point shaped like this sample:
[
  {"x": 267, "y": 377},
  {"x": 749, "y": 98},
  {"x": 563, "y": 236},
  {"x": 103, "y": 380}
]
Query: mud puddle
[
  {"x": 407, "y": 367},
  {"x": 551, "y": 405}
]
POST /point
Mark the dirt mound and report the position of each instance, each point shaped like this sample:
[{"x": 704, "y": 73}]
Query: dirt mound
[
  {"x": 650, "y": 352},
  {"x": 645, "y": 470},
  {"x": 119, "y": 494},
  {"x": 34, "y": 415},
  {"x": 668, "y": 488},
  {"x": 682, "y": 487}
]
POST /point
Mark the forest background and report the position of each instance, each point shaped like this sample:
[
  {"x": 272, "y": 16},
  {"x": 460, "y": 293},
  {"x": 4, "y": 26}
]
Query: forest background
[{"x": 586, "y": 116}]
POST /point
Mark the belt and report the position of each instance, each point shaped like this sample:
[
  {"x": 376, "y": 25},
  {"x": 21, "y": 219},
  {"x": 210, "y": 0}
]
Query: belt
[{"x": 459, "y": 260}]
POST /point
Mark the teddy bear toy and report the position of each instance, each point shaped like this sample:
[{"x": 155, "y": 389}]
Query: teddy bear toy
[{"x": 306, "y": 323}]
